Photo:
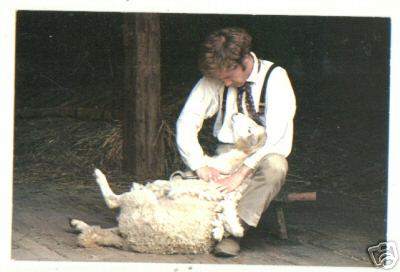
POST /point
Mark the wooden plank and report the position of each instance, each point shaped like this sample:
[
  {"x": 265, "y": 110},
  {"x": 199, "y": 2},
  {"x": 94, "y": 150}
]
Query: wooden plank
[
  {"x": 346, "y": 245},
  {"x": 36, "y": 250},
  {"x": 268, "y": 250},
  {"x": 143, "y": 146}
]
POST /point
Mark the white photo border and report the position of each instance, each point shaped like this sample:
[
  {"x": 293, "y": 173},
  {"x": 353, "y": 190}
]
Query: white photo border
[{"x": 8, "y": 9}]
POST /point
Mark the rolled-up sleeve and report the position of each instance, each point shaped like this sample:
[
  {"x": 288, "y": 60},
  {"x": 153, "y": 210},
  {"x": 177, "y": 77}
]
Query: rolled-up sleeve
[
  {"x": 279, "y": 113},
  {"x": 202, "y": 103}
]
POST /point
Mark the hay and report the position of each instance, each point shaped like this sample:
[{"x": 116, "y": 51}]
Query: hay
[
  {"x": 58, "y": 149},
  {"x": 112, "y": 145},
  {"x": 68, "y": 149}
]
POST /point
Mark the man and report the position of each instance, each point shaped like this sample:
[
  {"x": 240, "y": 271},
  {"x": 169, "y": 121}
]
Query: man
[{"x": 235, "y": 80}]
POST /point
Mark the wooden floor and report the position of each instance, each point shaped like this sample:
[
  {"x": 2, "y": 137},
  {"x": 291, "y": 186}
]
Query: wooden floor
[{"x": 333, "y": 231}]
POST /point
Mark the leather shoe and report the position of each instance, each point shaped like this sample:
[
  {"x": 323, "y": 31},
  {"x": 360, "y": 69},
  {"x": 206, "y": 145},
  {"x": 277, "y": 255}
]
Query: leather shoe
[{"x": 227, "y": 247}]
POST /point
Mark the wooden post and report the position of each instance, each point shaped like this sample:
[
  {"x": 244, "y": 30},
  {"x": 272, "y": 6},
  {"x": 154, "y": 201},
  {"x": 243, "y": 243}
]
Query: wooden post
[{"x": 143, "y": 148}]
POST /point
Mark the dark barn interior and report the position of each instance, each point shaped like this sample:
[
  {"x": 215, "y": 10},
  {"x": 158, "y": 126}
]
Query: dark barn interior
[{"x": 69, "y": 108}]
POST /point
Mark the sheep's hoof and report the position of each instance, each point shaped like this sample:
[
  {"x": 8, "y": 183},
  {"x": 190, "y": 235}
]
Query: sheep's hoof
[
  {"x": 97, "y": 173},
  {"x": 78, "y": 225},
  {"x": 70, "y": 221}
]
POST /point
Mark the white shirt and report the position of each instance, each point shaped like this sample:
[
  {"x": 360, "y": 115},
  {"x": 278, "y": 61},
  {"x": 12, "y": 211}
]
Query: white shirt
[{"x": 205, "y": 101}]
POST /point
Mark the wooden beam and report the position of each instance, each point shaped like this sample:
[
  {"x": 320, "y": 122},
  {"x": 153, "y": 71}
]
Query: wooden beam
[{"x": 143, "y": 149}]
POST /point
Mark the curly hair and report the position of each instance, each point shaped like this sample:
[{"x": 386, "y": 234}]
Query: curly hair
[{"x": 224, "y": 49}]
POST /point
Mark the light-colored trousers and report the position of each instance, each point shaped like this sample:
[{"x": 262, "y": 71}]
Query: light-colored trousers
[{"x": 264, "y": 184}]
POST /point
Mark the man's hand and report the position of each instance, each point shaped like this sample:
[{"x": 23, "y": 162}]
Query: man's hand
[
  {"x": 208, "y": 173},
  {"x": 229, "y": 183},
  {"x": 233, "y": 181}
]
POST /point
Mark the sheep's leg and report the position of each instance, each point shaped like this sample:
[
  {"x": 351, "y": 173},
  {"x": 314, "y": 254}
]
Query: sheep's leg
[
  {"x": 218, "y": 228},
  {"x": 92, "y": 236},
  {"x": 231, "y": 222},
  {"x": 111, "y": 199},
  {"x": 78, "y": 225}
]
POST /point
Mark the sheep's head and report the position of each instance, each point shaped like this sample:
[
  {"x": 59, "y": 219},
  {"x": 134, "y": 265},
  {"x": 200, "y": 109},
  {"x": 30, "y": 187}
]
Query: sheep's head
[{"x": 248, "y": 135}]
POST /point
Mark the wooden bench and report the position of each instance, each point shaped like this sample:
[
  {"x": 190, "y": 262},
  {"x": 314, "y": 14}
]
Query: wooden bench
[{"x": 280, "y": 202}]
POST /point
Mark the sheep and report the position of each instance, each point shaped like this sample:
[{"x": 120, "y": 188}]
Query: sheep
[
  {"x": 176, "y": 216},
  {"x": 248, "y": 137}
]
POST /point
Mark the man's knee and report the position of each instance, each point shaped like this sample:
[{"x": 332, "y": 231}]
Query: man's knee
[
  {"x": 274, "y": 161},
  {"x": 273, "y": 167}
]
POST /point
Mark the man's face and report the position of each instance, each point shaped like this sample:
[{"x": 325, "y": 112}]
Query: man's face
[{"x": 235, "y": 77}]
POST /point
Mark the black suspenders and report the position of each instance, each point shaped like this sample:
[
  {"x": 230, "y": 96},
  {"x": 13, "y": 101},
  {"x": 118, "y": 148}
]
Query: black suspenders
[
  {"x": 265, "y": 86},
  {"x": 262, "y": 97}
]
